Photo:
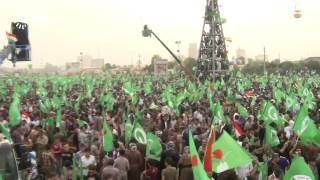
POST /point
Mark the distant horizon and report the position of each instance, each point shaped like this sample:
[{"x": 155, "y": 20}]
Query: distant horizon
[{"x": 60, "y": 30}]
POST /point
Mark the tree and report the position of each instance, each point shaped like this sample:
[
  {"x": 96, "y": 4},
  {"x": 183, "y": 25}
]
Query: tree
[
  {"x": 107, "y": 66},
  {"x": 189, "y": 63}
]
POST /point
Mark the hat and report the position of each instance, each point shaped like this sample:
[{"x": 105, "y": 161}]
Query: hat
[{"x": 55, "y": 149}]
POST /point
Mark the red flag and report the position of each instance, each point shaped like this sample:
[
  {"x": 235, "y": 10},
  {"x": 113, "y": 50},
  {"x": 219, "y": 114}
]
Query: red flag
[
  {"x": 249, "y": 94},
  {"x": 238, "y": 129},
  {"x": 207, "y": 159}
]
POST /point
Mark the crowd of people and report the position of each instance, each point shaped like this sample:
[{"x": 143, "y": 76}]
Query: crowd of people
[{"x": 50, "y": 149}]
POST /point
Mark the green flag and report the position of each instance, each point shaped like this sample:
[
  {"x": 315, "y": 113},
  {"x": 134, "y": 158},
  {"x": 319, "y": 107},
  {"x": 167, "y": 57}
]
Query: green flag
[
  {"x": 299, "y": 169},
  {"x": 316, "y": 139},
  {"x": 263, "y": 171},
  {"x": 59, "y": 119},
  {"x": 278, "y": 94},
  {"x": 271, "y": 136},
  {"x": 138, "y": 133},
  {"x": 74, "y": 169},
  {"x": 304, "y": 126},
  {"x": 14, "y": 112},
  {"x": 107, "y": 138},
  {"x": 271, "y": 114},
  {"x": 147, "y": 88},
  {"x": 228, "y": 154},
  {"x": 292, "y": 103},
  {"x": 82, "y": 123},
  {"x": 5, "y": 131},
  {"x": 127, "y": 131},
  {"x": 108, "y": 101},
  {"x": 81, "y": 171},
  {"x": 197, "y": 166},
  {"x": 154, "y": 148},
  {"x": 218, "y": 113},
  {"x": 242, "y": 110}
]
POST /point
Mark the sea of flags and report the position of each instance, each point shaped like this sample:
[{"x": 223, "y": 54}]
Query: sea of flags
[{"x": 222, "y": 153}]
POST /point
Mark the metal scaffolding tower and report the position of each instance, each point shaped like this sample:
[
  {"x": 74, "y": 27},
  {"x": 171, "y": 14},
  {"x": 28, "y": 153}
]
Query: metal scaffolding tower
[{"x": 213, "y": 58}]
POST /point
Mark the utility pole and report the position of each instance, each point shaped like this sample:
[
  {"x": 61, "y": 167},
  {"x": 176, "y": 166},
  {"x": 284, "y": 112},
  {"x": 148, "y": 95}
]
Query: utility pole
[{"x": 264, "y": 59}]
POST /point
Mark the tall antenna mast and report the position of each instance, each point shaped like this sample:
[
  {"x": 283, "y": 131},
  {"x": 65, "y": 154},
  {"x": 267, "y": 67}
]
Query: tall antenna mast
[{"x": 212, "y": 58}]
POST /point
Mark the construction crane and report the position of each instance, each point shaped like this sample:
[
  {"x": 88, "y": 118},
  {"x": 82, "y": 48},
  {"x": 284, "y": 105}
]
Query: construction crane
[{"x": 19, "y": 50}]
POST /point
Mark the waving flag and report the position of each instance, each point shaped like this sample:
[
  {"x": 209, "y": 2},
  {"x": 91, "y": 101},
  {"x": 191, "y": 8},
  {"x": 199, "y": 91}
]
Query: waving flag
[
  {"x": 263, "y": 171},
  {"x": 207, "y": 160},
  {"x": 127, "y": 131},
  {"x": 299, "y": 169},
  {"x": 271, "y": 114},
  {"x": 304, "y": 126},
  {"x": 197, "y": 168},
  {"x": 12, "y": 38},
  {"x": 237, "y": 129},
  {"x": 242, "y": 110},
  {"x": 14, "y": 112},
  {"x": 154, "y": 148},
  {"x": 138, "y": 133},
  {"x": 228, "y": 154},
  {"x": 107, "y": 138},
  {"x": 271, "y": 136}
]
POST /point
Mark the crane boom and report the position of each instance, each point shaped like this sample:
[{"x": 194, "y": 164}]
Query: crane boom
[{"x": 5, "y": 52}]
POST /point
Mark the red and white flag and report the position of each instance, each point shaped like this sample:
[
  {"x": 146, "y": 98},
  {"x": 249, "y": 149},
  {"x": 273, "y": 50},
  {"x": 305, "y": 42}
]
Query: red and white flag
[
  {"x": 238, "y": 130},
  {"x": 207, "y": 159}
]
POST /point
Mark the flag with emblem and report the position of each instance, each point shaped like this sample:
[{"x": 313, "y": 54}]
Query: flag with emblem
[
  {"x": 292, "y": 103},
  {"x": 271, "y": 136},
  {"x": 138, "y": 133},
  {"x": 127, "y": 131},
  {"x": 299, "y": 169},
  {"x": 304, "y": 126},
  {"x": 197, "y": 168},
  {"x": 270, "y": 114},
  {"x": 107, "y": 138},
  {"x": 228, "y": 154},
  {"x": 154, "y": 148}
]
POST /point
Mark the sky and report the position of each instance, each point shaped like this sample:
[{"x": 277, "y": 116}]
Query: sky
[{"x": 111, "y": 29}]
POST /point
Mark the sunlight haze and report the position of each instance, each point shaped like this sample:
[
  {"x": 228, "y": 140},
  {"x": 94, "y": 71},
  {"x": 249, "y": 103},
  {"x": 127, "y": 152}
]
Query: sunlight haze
[{"x": 111, "y": 29}]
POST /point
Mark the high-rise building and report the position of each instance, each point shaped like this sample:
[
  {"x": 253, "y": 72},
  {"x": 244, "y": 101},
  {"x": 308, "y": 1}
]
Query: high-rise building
[
  {"x": 193, "y": 50},
  {"x": 87, "y": 61}
]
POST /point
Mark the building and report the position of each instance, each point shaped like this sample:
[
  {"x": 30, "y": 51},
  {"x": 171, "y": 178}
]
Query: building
[
  {"x": 312, "y": 59},
  {"x": 72, "y": 67},
  {"x": 160, "y": 66},
  {"x": 193, "y": 50},
  {"x": 87, "y": 61},
  {"x": 97, "y": 63}
]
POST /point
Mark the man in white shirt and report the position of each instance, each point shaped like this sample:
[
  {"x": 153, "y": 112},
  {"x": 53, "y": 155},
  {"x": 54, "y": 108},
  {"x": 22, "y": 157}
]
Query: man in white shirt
[{"x": 87, "y": 160}]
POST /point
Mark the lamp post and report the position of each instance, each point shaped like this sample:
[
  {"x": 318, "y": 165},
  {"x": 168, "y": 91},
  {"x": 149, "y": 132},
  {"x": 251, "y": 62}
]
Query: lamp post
[{"x": 178, "y": 49}]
